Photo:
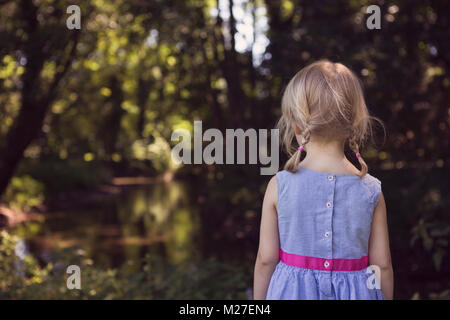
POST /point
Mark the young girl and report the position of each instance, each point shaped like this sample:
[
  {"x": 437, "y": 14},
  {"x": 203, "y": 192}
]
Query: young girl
[{"x": 323, "y": 220}]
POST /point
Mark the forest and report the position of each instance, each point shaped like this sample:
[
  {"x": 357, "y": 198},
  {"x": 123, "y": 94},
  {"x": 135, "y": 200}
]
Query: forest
[{"x": 87, "y": 115}]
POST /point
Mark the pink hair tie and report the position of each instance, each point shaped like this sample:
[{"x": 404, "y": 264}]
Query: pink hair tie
[
  {"x": 300, "y": 148},
  {"x": 358, "y": 155}
]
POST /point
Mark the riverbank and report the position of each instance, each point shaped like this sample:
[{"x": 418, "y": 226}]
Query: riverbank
[
  {"x": 9, "y": 218},
  {"x": 65, "y": 185}
]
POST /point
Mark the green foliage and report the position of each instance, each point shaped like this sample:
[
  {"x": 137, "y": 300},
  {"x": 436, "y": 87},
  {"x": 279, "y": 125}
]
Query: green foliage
[
  {"x": 35, "y": 179},
  {"x": 137, "y": 73},
  {"x": 434, "y": 237},
  {"x": 24, "y": 192},
  {"x": 7, "y": 258},
  {"x": 24, "y": 279},
  {"x": 17, "y": 274},
  {"x": 418, "y": 197},
  {"x": 59, "y": 175}
]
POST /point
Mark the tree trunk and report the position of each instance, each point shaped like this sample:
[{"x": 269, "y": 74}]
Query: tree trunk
[
  {"x": 231, "y": 71},
  {"x": 113, "y": 120},
  {"x": 34, "y": 102},
  {"x": 142, "y": 97}
]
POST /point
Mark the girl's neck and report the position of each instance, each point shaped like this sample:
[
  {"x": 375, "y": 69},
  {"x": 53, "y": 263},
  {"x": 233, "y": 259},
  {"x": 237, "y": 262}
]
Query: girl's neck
[{"x": 327, "y": 157}]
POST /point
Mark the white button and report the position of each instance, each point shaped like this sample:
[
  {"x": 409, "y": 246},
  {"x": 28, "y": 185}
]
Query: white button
[
  {"x": 327, "y": 234},
  {"x": 328, "y": 204},
  {"x": 326, "y": 264},
  {"x": 330, "y": 178}
]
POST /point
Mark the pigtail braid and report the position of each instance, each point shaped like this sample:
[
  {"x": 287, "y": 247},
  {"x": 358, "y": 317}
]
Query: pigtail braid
[
  {"x": 293, "y": 162},
  {"x": 355, "y": 148}
]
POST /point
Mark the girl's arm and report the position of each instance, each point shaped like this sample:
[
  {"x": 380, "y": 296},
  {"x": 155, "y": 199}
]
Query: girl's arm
[
  {"x": 269, "y": 243},
  {"x": 379, "y": 253}
]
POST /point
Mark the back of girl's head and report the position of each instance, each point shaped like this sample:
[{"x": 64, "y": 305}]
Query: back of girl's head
[{"x": 324, "y": 100}]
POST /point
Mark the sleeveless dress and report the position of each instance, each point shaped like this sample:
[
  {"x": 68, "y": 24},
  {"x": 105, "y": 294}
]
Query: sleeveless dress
[{"x": 324, "y": 223}]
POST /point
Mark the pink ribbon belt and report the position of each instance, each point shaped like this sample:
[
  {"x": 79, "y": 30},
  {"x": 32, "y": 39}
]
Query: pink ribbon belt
[{"x": 304, "y": 262}]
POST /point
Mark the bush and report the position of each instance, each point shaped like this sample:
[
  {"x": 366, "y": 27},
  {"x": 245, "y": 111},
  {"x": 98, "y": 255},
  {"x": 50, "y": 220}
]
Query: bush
[
  {"x": 24, "y": 279},
  {"x": 24, "y": 192},
  {"x": 17, "y": 270}
]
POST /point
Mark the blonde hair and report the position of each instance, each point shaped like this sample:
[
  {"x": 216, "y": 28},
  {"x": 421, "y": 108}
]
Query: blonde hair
[{"x": 325, "y": 100}]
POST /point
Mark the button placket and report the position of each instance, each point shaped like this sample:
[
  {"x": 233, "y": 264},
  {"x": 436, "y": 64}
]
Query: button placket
[
  {"x": 326, "y": 234},
  {"x": 328, "y": 230}
]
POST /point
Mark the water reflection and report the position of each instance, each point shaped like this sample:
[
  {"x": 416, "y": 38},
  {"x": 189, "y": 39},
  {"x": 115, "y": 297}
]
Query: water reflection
[{"x": 157, "y": 219}]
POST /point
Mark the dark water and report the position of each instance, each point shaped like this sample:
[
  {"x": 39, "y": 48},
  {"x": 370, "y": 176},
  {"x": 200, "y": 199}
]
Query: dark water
[{"x": 158, "y": 219}]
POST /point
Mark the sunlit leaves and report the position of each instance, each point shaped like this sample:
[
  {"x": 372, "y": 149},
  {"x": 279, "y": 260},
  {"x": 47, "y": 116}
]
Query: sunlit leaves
[
  {"x": 179, "y": 123},
  {"x": 287, "y": 8},
  {"x": 169, "y": 88},
  {"x": 91, "y": 65},
  {"x": 89, "y": 156},
  {"x": 106, "y": 92},
  {"x": 24, "y": 193},
  {"x": 130, "y": 107},
  {"x": 8, "y": 67},
  {"x": 156, "y": 72},
  {"x": 171, "y": 61}
]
